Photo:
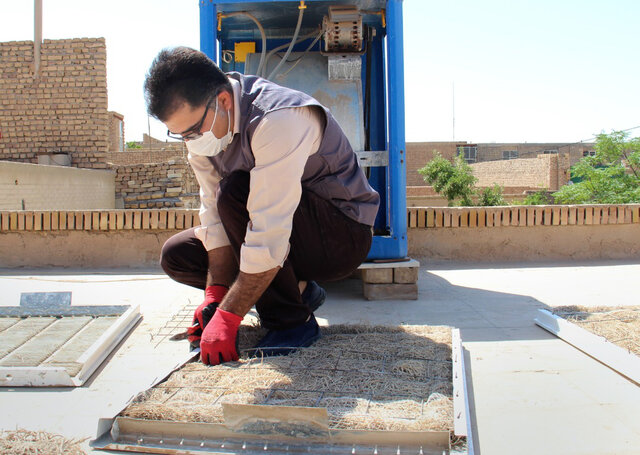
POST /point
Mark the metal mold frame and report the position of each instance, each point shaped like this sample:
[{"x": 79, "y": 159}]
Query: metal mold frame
[
  {"x": 236, "y": 436},
  {"x": 90, "y": 359},
  {"x": 607, "y": 353},
  {"x": 461, "y": 414}
]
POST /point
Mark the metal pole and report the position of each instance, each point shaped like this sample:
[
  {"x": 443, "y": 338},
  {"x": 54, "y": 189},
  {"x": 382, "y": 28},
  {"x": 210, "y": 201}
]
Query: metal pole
[
  {"x": 37, "y": 39},
  {"x": 397, "y": 150}
]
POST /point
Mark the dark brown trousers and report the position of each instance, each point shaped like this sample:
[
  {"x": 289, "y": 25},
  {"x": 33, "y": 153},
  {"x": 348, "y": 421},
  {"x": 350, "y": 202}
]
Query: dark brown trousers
[{"x": 326, "y": 245}]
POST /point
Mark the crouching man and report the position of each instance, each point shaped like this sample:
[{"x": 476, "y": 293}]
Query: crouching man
[{"x": 283, "y": 202}]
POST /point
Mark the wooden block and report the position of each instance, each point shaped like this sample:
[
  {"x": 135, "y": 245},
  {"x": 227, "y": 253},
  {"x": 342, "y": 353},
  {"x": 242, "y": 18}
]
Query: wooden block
[
  {"x": 522, "y": 216},
  {"x": 555, "y": 216},
  {"x": 180, "y": 219},
  {"x": 128, "y": 219},
  {"x": 464, "y": 218},
  {"x": 635, "y": 215},
  {"x": 455, "y": 218},
  {"x": 431, "y": 217},
  {"x": 188, "y": 220},
  {"x": 4, "y": 221},
  {"x": 619, "y": 214},
  {"x": 490, "y": 218},
  {"x": 377, "y": 275},
  {"x": 627, "y": 215},
  {"x": 86, "y": 221},
  {"x": 482, "y": 218},
  {"x": 390, "y": 291},
  {"x": 473, "y": 218},
  {"x": 497, "y": 217},
  {"x": 46, "y": 221},
  {"x": 171, "y": 219},
  {"x": 439, "y": 217},
  {"x": 604, "y": 213},
  {"x": 63, "y": 221},
  {"x": 506, "y": 217},
  {"x": 413, "y": 218},
  {"x": 588, "y": 215},
  {"x": 21, "y": 221},
  {"x": 162, "y": 219},
  {"x": 111, "y": 220},
  {"x": 137, "y": 219},
  {"x": 422, "y": 218},
  {"x": 446, "y": 213},
  {"x": 531, "y": 216},
  {"x": 95, "y": 221},
  {"x": 103, "y": 221},
  {"x": 37, "y": 221},
  {"x": 564, "y": 216},
  {"x": 196, "y": 217},
  {"x": 153, "y": 219},
  {"x": 146, "y": 219},
  {"x": 580, "y": 216},
  {"x": 547, "y": 216},
  {"x": 71, "y": 221},
  {"x": 13, "y": 221},
  {"x": 573, "y": 216},
  {"x": 28, "y": 221},
  {"x": 539, "y": 221},
  {"x": 405, "y": 275},
  {"x": 119, "y": 216},
  {"x": 55, "y": 221}
]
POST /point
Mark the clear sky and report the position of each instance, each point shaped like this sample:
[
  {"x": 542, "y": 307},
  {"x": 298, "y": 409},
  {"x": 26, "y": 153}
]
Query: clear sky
[{"x": 512, "y": 71}]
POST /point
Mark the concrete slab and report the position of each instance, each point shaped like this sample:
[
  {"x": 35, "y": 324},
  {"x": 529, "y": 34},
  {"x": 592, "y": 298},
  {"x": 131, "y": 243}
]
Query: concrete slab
[{"x": 531, "y": 392}]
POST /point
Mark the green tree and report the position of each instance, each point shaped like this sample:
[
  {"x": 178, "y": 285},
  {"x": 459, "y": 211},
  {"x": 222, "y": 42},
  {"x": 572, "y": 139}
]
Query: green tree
[
  {"x": 609, "y": 177},
  {"x": 452, "y": 180},
  {"x": 133, "y": 145},
  {"x": 492, "y": 196}
]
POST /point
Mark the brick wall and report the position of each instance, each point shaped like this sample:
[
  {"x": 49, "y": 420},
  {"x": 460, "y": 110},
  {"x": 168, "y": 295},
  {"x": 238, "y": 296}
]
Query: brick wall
[
  {"x": 539, "y": 172},
  {"x": 142, "y": 156},
  {"x": 154, "y": 185},
  {"x": 116, "y": 132},
  {"x": 63, "y": 109},
  {"x": 25, "y": 186},
  {"x": 420, "y": 153}
]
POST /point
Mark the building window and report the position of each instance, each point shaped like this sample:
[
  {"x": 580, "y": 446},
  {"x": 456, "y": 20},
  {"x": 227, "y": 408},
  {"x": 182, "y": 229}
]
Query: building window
[
  {"x": 588, "y": 153},
  {"x": 509, "y": 154},
  {"x": 468, "y": 152},
  {"x": 550, "y": 152}
]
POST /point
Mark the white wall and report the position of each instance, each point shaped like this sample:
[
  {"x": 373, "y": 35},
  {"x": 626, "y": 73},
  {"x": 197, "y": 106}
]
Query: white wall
[{"x": 38, "y": 187}]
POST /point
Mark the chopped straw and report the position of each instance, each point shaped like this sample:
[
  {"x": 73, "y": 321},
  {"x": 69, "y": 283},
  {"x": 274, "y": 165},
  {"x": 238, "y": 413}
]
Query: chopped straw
[
  {"x": 24, "y": 442},
  {"x": 367, "y": 377},
  {"x": 619, "y": 325}
]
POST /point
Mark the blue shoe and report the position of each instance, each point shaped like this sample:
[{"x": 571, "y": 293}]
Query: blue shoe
[
  {"x": 313, "y": 295},
  {"x": 283, "y": 342}
]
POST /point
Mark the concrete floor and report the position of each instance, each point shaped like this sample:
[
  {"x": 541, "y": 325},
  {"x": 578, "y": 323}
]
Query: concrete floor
[{"x": 530, "y": 392}]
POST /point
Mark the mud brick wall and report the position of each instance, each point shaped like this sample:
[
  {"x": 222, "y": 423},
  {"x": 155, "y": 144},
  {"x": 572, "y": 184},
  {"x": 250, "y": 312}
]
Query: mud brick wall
[
  {"x": 540, "y": 172},
  {"x": 156, "y": 185},
  {"x": 63, "y": 108}
]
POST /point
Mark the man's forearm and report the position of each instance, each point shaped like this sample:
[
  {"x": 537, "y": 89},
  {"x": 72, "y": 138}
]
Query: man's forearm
[
  {"x": 223, "y": 266},
  {"x": 246, "y": 291}
]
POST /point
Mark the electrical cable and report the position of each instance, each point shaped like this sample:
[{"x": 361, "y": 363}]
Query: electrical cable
[
  {"x": 313, "y": 43},
  {"x": 293, "y": 40},
  {"x": 262, "y": 34},
  {"x": 279, "y": 48}
]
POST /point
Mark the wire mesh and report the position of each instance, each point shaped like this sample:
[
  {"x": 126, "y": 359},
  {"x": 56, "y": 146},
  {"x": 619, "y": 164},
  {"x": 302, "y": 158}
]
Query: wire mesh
[{"x": 368, "y": 378}]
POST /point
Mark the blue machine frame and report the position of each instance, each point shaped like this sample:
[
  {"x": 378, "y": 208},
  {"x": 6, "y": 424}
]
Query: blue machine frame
[{"x": 387, "y": 115}]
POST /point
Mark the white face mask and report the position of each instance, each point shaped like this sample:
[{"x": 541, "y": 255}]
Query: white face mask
[{"x": 208, "y": 144}]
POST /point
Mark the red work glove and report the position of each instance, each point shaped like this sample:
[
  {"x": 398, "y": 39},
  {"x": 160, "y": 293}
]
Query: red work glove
[
  {"x": 218, "y": 342},
  {"x": 213, "y": 295}
]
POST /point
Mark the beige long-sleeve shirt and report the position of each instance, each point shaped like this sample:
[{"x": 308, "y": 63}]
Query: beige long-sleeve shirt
[{"x": 281, "y": 145}]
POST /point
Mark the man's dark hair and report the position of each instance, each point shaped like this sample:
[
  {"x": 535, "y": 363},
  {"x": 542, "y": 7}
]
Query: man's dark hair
[{"x": 181, "y": 74}]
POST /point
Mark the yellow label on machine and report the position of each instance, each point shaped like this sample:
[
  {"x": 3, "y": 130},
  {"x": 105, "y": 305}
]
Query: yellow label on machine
[{"x": 242, "y": 49}]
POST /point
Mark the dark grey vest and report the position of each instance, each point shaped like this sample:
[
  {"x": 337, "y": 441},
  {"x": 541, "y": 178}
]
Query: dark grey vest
[{"x": 332, "y": 173}]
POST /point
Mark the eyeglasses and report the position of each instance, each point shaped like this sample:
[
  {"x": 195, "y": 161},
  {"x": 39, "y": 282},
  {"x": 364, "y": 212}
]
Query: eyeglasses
[{"x": 192, "y": 133}]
